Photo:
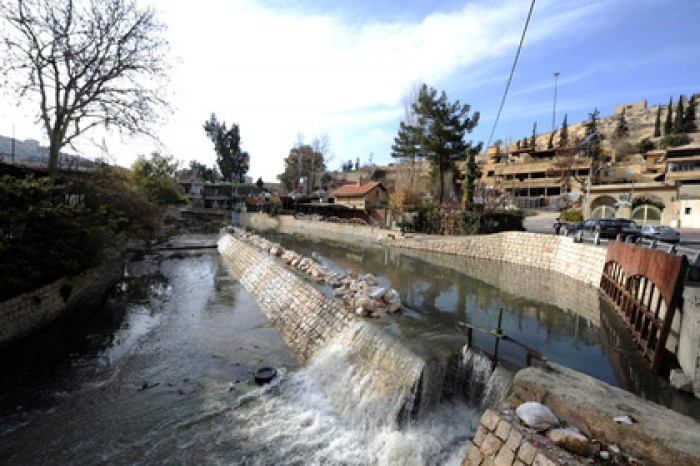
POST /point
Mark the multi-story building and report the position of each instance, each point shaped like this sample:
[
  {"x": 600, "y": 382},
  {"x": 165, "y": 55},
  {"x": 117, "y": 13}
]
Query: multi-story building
[{"x": 659, "y": 186}]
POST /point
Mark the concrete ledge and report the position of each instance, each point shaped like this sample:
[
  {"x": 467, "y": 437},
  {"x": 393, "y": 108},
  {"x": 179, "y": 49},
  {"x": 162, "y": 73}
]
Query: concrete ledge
[{"x": 658, "y": 436}]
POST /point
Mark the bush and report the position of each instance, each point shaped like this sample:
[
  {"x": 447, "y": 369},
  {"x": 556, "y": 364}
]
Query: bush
[
  {"x": 572, "y": 215},
  {"x": 674, "y": 140}
]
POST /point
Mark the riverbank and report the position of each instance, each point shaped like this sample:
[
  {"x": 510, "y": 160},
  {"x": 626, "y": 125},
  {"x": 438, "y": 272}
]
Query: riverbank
[{"x": 591, "y": 407}]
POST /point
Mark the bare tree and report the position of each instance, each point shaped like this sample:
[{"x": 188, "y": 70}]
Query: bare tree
[{"x": 87, "y": 63}]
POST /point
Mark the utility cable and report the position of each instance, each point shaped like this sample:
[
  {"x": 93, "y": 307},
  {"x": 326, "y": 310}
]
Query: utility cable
[{"x": 512, "y": 71}]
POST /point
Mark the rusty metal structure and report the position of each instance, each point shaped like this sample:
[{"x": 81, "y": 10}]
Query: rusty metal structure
[{"x": 645, "y": 287}]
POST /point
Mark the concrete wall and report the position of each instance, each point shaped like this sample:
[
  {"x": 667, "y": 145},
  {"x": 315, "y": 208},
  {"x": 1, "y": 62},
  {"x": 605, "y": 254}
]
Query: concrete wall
[
  {"x": 689, "y": 341},
  {"x": 27, "y": 312}
]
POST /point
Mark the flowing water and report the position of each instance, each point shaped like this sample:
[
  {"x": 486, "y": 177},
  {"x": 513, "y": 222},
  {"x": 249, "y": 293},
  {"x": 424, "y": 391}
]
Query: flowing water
[{"x": 162, "y": 371}]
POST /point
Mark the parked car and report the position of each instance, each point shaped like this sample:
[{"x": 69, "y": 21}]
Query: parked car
[
  {"x": 661, "y": 233},
  {"x": 571, "y": 228},
  {"x": 609, "y": 228}
]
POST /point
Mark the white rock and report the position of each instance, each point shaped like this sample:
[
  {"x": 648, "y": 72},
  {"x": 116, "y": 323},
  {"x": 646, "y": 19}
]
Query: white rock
[
  {"x": 391, "y": 296},
  {"x": 537, "y": 415},
  {"x": 624, "y": 420},
  {"x": 377, "y": 292},
  {"x": 360, "y": 311}
]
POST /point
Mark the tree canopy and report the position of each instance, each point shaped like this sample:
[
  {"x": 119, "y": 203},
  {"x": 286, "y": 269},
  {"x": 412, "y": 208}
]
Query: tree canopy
[
  {"x": 438, "y": 134},
  {"x": 88, "y": 64},
  {"x": 303, "y": 169},
  {"x": 154, "y": 175},
  {"x": 233, "y": 162}
]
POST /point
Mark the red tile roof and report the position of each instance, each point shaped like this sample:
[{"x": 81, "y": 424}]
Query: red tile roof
[{"x": 352, "y": 190}]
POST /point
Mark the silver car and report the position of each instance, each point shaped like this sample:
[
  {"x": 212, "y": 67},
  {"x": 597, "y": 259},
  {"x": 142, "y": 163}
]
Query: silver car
[{"x": 660, "y": 233}]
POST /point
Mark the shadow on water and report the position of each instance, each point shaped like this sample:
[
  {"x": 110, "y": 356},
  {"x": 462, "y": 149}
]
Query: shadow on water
[{"x": 568, "y": 322}]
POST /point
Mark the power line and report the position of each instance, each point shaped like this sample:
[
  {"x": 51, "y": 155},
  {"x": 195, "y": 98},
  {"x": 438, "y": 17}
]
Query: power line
[{"x": 512, "y": 71}]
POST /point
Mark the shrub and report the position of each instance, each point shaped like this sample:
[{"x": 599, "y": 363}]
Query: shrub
[{"x": 572, "y": 215}]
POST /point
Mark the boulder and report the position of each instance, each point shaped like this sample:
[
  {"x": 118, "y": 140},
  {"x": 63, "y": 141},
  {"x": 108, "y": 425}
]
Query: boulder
[
  {"x": 377, "y": 292},
  {"x": 572, "y": 441},
  {"x": 537, "y": 415}
]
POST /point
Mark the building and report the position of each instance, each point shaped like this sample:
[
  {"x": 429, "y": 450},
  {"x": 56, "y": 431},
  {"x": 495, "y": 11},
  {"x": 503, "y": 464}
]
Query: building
[{"x": 367, "y": 196}]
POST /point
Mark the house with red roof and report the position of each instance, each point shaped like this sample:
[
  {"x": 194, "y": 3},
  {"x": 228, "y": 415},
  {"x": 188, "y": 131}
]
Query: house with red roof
[{"x": 365, "y": 196}]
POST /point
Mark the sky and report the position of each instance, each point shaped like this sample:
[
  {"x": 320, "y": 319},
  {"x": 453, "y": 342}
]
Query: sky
[{"x": 285, "y": 69}]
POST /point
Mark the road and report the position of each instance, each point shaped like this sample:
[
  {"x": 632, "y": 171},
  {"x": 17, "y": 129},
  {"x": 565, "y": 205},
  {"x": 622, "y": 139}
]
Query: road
[{"x": 543, "y": 223}]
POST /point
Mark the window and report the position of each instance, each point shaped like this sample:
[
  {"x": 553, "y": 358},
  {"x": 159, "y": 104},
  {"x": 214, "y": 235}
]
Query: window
[{"x": 688, "y": 210}]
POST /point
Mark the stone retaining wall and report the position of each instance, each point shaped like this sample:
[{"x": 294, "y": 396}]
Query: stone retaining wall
[
  {"x": 27, "y": 312},
  {"x": 306, "y": 319},
  {"x": 582, "y": 262}
]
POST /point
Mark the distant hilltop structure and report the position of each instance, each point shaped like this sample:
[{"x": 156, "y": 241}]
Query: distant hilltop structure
[
  {"x": 31, "y": 153},
  {"x": 640, "y": 118}
]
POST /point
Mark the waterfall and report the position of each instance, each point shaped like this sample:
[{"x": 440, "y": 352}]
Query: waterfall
[
  {"x": 367, "y": 399},
  {"x": 373, "y": 379}
]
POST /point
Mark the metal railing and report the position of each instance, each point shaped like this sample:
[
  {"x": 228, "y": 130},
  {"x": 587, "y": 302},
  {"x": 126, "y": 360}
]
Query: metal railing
[{"x": 691, "y": 254}]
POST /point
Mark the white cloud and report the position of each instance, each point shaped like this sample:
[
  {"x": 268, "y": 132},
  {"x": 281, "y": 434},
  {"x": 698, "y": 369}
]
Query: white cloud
[{"x": 277, "y": 73}]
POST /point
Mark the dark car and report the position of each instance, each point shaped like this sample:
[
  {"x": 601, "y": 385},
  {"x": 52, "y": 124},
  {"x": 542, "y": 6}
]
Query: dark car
[
  {"x": 571, "y": 228},
  {"x": 609, "y": 228}
]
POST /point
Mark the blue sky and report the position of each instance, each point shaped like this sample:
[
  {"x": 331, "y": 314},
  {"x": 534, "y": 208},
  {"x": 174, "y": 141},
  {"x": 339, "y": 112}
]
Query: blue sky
[{"x": 279, "y": 68}]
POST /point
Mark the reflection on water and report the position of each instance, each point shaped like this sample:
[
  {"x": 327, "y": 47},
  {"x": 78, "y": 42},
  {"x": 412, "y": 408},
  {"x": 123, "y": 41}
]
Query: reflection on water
[{"x": 564, "y": 320}]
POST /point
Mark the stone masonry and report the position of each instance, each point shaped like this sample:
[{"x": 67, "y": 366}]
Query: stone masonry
[
  {"x": 27, "y": 312},
  {"x": 582, "y": 262}
]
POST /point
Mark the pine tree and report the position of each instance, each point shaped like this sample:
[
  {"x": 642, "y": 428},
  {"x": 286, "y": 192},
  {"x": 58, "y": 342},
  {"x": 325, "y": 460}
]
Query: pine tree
[
  {"x": 657, "y": 123},
  {"x": 678, "y": 126},
  {"x": 550, "y": 143},
  {"x": 472, "y": 172},
  {"x": 233, "y": 162},
  {"x": 440, "y": 130},
  {"x": 621, "y": 130},
  {"x": 533, "y": 139},
  {"x": 406, "y": 142},
  {"x": 564, "y": 133},
  {"x": 668, "y": 124},
  {"x": 689, "y": 125}
]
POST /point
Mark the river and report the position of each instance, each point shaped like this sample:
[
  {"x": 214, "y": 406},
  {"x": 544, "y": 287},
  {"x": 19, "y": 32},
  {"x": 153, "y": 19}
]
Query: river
[{"x": 162, "y": 371}]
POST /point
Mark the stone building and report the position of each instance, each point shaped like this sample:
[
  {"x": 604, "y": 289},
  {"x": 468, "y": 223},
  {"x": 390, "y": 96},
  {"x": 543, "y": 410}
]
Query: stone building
[{"x": 659, "y": 186}]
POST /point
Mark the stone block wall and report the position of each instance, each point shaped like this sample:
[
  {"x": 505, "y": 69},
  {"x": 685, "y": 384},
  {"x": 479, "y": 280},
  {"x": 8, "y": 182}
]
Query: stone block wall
[
  {"x": 306, "y": 318},
  {"x": 582, "y": 262},
  {"x": 27, "y": 312},
  {"x": 500, "y": 440}
]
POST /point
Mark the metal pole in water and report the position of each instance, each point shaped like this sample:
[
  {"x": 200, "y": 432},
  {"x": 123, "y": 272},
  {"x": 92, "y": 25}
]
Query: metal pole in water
[{"x": 499, "y": 334}]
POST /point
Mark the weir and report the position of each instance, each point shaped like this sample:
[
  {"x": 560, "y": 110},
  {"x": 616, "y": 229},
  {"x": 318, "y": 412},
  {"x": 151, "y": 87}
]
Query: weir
[{"x": 377, "y": 380}]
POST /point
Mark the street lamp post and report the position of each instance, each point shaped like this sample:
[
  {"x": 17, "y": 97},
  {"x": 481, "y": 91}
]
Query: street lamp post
[{"x": 554, "y": 105}]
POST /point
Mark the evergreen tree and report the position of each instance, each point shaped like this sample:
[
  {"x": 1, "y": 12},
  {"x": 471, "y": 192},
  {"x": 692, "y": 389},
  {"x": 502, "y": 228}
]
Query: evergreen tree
[
  {"x": 406, "y": 142},
  {"x": 233, "y": 162},
  {"x": 621, "y": 129},
  {"x": 472, "y": 173},
  {"x": 592, "y": 124},
  {"x": 689, "y": 125},
  {"x": 657, "y": 123},
  {"x": 441, "y": 127},
  {"x": 564, "y": 133},
  {"x": 517, "y": 144},
  {"x": 550, "y": 143},
  {"x": 668, "y": 124},
  {"x": 594, "y": 150},
  {"x": 533, "y": 139},
  {"x": 678, "y": 126}
]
